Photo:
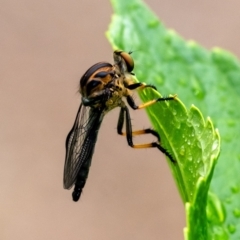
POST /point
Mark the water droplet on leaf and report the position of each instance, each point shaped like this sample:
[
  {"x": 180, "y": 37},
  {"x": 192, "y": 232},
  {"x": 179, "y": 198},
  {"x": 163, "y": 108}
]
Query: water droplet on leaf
[{"x": 182, "y": 150}]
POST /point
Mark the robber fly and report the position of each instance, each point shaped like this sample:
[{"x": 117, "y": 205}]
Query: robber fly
[{"x": 103, "y": 87}]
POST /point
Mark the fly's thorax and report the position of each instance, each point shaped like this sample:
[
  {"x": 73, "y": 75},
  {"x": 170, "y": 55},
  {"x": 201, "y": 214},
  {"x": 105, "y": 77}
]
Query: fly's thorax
[
  {"x": 114, "y": 101},
  {"x": 103, "y": 85},
  {"x": 96, "y": 82}
]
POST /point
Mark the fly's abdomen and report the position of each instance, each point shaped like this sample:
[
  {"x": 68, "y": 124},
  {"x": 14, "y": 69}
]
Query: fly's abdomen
[
  {"x": 81, "y": 179},
  {"x": 77, "y": 191}
]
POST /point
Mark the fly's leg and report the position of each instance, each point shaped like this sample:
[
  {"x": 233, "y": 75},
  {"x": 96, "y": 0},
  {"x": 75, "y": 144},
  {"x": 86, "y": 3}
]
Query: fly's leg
[
  {"x": 140, "y": 85},
  {"x": 124, "y": 112},
  {"x": 149, "y": 103}
]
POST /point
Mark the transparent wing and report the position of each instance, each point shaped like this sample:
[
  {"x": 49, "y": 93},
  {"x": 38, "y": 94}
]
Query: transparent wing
[{"x": 80, "y": 142}]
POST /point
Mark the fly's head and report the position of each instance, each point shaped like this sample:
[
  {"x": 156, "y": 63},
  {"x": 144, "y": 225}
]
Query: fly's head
[
  {"x": 100, "y": 85},
  {"x": 123, "y": 61}
]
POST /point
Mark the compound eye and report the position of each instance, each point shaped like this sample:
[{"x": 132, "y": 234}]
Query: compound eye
[{"x": 128, "y": 60}]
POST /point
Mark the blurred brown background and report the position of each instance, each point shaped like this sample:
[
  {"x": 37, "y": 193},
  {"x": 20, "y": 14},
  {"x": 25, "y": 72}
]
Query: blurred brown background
[{"x": 45, "y": 48}]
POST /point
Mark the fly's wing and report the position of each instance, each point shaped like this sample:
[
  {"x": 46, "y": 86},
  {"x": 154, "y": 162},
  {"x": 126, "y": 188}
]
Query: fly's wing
[
  {"x": 77, "y": 145},
  {"x": 73, "y": 145}
]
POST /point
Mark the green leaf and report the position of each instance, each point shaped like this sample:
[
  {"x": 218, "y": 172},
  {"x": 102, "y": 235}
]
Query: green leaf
[
  {"x": 190, "y": 140},
  {"x": 207, "y": 79}
]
